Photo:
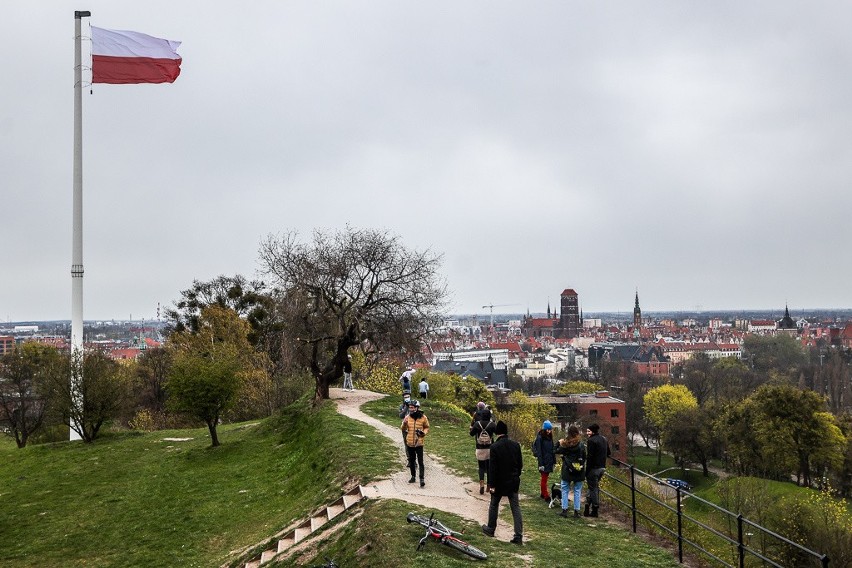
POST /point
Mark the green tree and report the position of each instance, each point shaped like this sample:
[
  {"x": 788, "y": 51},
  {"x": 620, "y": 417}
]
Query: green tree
[
  {"x": 785, "y": 430},
  {"x": 778, "y": 356},
  {"x": 26, "y": 376},
  {"x": 470, "y": 390},
  {"x": 696, "y": 375},
  {"x": 97, "y": 391},
  {"x": 731, "y": 380},
  {"x": 690, "y": 436},
  {"x": 661, "y": 404},
  {"x": 209, "y": 366},
  {"x": 248, "y": 298},
  {"x": 353, "y": 287}
]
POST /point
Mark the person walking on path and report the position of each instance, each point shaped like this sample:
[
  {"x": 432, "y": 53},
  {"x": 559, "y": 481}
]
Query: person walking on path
[
  {"x": 504, "y": 480},
  {"x": 405, "y": 407},
  {"x": 415, "y": 427},
  {"x": 347, "y": 374},
  {"x": 483, "y": 433},
  {"x": 573, "y": 452},
  {"x": 423, "y": 387},
  {"x": 542, "y": 449},
  {"x": 482, "y": 413},
  {"x": 405, "y": 380},
  {"x": 596, "y": 453}
]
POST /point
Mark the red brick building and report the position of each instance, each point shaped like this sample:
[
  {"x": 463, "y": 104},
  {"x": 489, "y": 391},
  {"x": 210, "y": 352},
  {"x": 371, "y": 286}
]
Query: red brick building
[{"x": 608, "y": 412}]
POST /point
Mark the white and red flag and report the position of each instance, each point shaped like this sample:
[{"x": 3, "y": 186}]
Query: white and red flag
[{"x": 122, "y": 57}]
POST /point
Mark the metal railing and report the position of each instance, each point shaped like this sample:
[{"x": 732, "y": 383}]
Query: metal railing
[{"x": 735, "y": 542}]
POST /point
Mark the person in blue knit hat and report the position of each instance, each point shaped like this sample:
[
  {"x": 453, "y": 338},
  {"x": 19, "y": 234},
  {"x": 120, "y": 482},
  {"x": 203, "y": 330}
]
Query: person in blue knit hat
[{"x": 542, "y": 449}]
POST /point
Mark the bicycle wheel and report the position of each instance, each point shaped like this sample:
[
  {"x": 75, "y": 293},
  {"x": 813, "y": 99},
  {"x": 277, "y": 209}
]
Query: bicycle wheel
[{"x": 462, "y": 546}]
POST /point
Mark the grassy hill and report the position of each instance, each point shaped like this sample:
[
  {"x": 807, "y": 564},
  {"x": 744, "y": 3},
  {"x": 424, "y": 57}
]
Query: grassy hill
[{"x": 135, "y": 499}]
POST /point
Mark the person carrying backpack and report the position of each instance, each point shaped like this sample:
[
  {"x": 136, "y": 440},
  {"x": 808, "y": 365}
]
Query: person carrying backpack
[
  {"x": 483, "y": 433},
  {"x": 573, "y": 452},
  {"x": 542, "y": 449}
]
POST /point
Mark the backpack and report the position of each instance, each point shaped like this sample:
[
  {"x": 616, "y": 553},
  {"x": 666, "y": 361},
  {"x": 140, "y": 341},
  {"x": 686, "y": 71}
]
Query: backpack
[
  {"x": 576, "y": 461},
  {"x": 484, "y": 438}
]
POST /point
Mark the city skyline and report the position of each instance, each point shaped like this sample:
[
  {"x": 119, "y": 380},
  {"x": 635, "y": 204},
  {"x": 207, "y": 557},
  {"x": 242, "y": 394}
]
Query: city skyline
[{"x": 696, "y": 152}]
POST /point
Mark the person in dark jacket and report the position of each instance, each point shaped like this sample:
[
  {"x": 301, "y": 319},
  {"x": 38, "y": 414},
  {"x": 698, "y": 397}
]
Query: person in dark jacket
[
  {"x": 504, "y": 480},
  {"x": 347, "y": 374},
  {"x": 597, "y": 450},
  {"x": 542, "y": 449},
  {"x": 482, "y": 450},
  {"x": 482, "y": 412},
  {"x": 573, "y": 452}
]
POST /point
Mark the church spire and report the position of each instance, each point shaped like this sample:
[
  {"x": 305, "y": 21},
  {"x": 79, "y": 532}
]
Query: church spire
[{"x": 637, "y": 312}]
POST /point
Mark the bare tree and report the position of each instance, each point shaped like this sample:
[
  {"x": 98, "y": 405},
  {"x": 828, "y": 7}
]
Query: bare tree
[{"x": 348, "y": 288}]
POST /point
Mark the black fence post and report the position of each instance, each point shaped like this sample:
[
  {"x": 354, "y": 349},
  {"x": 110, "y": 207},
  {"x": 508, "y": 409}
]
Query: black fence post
[
  {"x": 824, "y": 560},
  {"x": 679, "y": 527},
  {"x": 740, "y": 545},
  {"x": 633, "y": 494}
]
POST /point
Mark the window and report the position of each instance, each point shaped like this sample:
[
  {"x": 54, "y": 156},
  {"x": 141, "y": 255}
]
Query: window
[
  {"x": 615, "y": 430},
  {"x": 613, "y": 413},
  {"x": 616, "y": 446},
  {"x": 593, "y": 413}
]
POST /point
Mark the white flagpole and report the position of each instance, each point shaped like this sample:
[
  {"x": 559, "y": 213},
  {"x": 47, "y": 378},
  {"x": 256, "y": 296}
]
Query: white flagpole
[{"x": 77, "y": 240}]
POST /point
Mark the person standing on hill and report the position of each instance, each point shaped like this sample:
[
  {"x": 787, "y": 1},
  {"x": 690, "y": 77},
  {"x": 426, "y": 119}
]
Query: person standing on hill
[
  {"x": 482, "y": 412},
  {"x": 423, "y": 387},
  {"x": 347, "y": 374},
  {"x": 542, "y": 449},
  {"x": 504, "y": 480},
  {"x": 573, "y": 452},
  {"x": 596, "y": 453},
  {"x": 483, "y": 433},
  {"x": 415, "y": 427},
  {"x": 405, "y": 379}
]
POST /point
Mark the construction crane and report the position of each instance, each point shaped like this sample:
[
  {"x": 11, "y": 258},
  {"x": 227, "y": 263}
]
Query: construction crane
[{"x": 491, "y": 308}]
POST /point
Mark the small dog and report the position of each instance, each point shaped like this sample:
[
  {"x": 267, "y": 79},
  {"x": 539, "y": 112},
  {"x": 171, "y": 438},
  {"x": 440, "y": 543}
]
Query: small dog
[{"x": 555, "y": 495}]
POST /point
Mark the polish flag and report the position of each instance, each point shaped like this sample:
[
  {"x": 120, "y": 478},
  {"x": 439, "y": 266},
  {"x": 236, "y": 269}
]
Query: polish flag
[{"x": 121, "y": 57}]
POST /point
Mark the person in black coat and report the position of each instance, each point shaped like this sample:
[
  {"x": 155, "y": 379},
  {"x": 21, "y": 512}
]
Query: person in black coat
[
  {"x": 542, "y": 449},
  {"x": 504, "y": 480},
  {"x": 597, "y": 450}
]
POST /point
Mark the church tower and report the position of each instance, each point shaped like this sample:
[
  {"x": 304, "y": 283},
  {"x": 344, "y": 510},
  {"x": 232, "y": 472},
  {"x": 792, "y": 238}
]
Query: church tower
[
  {"x": 637, "y": 312},
  {"x": 569, "y": 320}
]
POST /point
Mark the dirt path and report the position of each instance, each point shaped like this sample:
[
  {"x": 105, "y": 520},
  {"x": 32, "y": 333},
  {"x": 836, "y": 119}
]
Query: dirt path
[{"x": 444, "y": 490}]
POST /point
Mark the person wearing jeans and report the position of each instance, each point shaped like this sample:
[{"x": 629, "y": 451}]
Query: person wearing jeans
[{"x": 573, "y": 452}]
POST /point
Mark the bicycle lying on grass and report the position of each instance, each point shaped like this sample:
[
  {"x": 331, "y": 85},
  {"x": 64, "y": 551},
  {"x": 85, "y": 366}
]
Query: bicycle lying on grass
[{"x": 437, "y": 530}]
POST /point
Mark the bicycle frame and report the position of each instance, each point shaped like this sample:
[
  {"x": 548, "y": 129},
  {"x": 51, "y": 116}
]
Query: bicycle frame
[{"x": 440, "y": 532}]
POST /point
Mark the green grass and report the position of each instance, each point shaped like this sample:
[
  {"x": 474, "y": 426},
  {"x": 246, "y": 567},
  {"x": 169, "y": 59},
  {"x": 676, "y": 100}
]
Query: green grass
[
  {"x": 136, "y": 500},
  {"x": 553, "y": 541}
]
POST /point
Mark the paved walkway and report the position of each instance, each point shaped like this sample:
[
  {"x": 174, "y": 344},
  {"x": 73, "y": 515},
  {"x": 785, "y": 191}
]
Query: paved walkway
[{"x": 444, "y": 490}]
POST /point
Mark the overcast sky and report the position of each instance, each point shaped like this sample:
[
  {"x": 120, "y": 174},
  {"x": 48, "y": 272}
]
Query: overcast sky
[{"x": 700, "y": 152}]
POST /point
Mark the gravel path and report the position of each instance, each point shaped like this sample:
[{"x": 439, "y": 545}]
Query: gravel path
[{"x": 444, "y": 490}]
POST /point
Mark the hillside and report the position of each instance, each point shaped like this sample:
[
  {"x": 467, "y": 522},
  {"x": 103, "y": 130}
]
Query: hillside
[{"x": 168, "y": 499}]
